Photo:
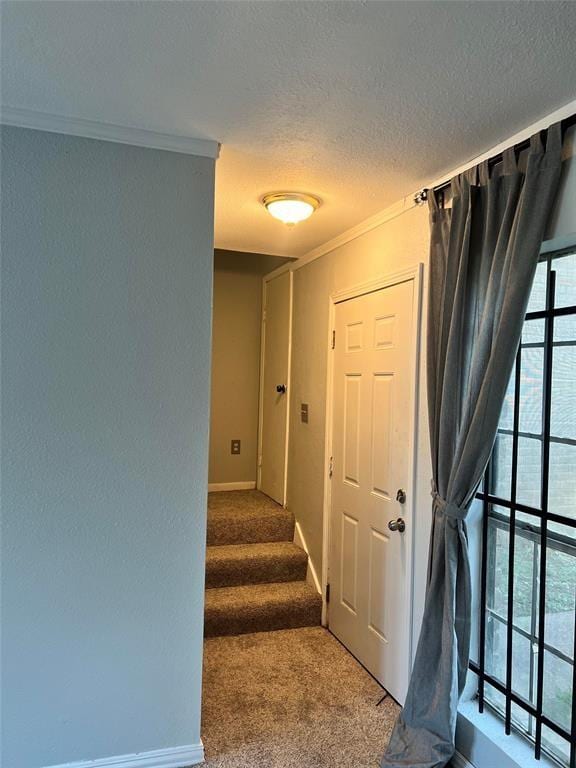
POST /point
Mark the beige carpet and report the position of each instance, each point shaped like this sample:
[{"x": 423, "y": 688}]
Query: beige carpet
[
  {"x": 241, "y": 564},
  {"x": 290, "y": 699},
  {"x": 255, "y": 574},
  {"x": 246, "y": 517},
  {"x": 261, "y": 608}
]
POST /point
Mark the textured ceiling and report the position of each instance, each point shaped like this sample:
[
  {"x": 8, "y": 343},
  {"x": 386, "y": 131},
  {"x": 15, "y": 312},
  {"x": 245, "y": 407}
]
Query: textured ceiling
[{"x": 357, "y": 102}]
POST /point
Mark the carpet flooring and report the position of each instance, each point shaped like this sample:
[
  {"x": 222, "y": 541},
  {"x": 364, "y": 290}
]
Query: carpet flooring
[
  {"x": 240, "y": 564},
  {"x": 261, "y": 608},
  {"x": 246, "y": 517},
  {"x": 255, "y": 574},
  {"x": 291, "y": 698}
]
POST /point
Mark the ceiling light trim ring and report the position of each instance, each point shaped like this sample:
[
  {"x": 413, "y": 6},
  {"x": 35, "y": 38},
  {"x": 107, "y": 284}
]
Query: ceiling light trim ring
[{"x": 300, "y": 197}]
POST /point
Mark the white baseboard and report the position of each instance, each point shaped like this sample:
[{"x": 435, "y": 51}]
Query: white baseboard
[
  {"x": 311, "y": 575},
  {"x": 244, "y": 485},
  {"x": 459, "y": 761},
  {"x": 173, "y": 757}
]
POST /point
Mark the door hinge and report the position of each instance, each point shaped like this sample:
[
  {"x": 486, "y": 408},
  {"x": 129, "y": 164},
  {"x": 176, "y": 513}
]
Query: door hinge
[
  {"x": 259, "y": 461},
  {"x": 333, "y": 339},
  {"x": 327, "y": 593},
  {"x": 331, "y": 466}
]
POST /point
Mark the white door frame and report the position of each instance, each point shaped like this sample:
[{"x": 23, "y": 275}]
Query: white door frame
[
  {"x": 414, "y": 273},
  {"x": 265, "y": 280}
]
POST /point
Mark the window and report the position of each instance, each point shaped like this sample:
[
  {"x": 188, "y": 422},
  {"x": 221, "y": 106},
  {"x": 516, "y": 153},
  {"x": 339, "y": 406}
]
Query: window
[{"x": 526, "y": 668}]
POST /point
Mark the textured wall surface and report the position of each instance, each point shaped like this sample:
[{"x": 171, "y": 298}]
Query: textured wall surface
[
  {"x": 106, "y": 295},
  {"x": 358, "y": 102},
  {"x": 562, "y": 225},
  {"x": 235, "y": 369},
  {"x": 236, "y": 332},
  {"x": 235, "y": 374},
  {"x": 395, "y": 245}
]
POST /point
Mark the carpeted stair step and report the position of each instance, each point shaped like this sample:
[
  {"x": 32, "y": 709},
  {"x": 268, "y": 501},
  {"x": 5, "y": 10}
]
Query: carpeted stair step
[
  {"x": 246, "y": 517},
  {"x": 261, "y": 608},
  {"x": 237, "y": 564}
]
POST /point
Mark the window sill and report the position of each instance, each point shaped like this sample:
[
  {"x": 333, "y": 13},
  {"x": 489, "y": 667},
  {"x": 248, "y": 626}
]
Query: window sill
[{"x": 480, "y": 738}]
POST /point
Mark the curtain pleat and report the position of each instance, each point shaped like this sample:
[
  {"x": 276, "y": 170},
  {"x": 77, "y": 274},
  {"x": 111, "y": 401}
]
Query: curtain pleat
[{"x": 483, "y": 257}]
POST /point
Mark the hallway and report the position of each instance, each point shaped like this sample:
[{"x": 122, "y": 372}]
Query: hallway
[
  {"x": 279, "y": 691},
  {"x": 290, "y": 699}
]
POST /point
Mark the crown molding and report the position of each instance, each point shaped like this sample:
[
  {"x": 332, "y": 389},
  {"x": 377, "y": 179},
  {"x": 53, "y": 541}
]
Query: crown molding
[
  {"x": 517, "y": 138},
  {"x": 392, "y": 212},
  {"x": 389, "y": 213},
  {"x": 408, "y": 202},
  {"x": 121, "y": 134}
]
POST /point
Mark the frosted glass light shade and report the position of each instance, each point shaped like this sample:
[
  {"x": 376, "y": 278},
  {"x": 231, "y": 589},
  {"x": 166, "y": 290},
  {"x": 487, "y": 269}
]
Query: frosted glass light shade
[{"x": 290, "y": 207}]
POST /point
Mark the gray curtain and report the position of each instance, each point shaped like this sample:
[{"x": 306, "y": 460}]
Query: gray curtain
[{"x": 483, "y": 256}]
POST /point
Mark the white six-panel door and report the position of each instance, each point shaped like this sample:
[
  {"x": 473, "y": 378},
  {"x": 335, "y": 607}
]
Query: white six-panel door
[{"x": 372, "y": 442}]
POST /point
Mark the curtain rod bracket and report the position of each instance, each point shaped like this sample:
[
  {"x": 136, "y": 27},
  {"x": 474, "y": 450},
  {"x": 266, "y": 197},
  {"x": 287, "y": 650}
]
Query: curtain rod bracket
[{"x": 421, "y": 197}]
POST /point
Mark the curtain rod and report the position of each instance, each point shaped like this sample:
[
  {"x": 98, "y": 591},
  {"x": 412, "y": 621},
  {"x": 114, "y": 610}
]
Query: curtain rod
[{"x": 421, "y": 196}]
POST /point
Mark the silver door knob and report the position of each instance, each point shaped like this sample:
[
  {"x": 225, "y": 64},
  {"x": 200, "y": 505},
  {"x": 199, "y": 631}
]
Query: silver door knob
[
  {"x": 397, "y": 525},
  {"x": 401, "y": 496}
]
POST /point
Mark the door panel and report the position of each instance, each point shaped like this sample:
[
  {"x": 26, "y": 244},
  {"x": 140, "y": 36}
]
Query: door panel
[
  {"x": 349, "y": 561},
  {"x": 352, "y": 428},
  {"x": 381, "y": 424},
  {"x": 274, "y": 404},
  {"x": 377, "y": 608},
  {"x": 372, "y": 444}
]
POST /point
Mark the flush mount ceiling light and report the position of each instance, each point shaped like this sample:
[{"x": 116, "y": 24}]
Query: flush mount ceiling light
[{"x": 290, "y": 207}]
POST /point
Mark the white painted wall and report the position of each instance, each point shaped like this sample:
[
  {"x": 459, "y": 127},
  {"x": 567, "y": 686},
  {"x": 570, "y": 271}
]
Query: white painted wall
[
  {"x": 394, "y": 245},
  {"x": 106, "y": 307},
  {"x": 562, "y": 225}
]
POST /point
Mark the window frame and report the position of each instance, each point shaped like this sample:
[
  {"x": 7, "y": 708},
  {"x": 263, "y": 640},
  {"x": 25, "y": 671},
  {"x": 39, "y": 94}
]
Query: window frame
[{"x": 538, "y": 533}]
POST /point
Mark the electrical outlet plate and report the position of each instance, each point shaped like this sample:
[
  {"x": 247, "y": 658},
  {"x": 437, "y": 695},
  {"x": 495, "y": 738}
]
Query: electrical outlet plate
[{"x": 235, "y": 446}]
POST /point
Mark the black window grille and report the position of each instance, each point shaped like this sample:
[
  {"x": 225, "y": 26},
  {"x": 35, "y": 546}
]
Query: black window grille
[{"x": 527, "y": 644}]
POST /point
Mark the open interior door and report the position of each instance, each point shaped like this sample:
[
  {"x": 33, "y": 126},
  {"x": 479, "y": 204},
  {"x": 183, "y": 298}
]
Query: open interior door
[{"x": 274, "y": 396}]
